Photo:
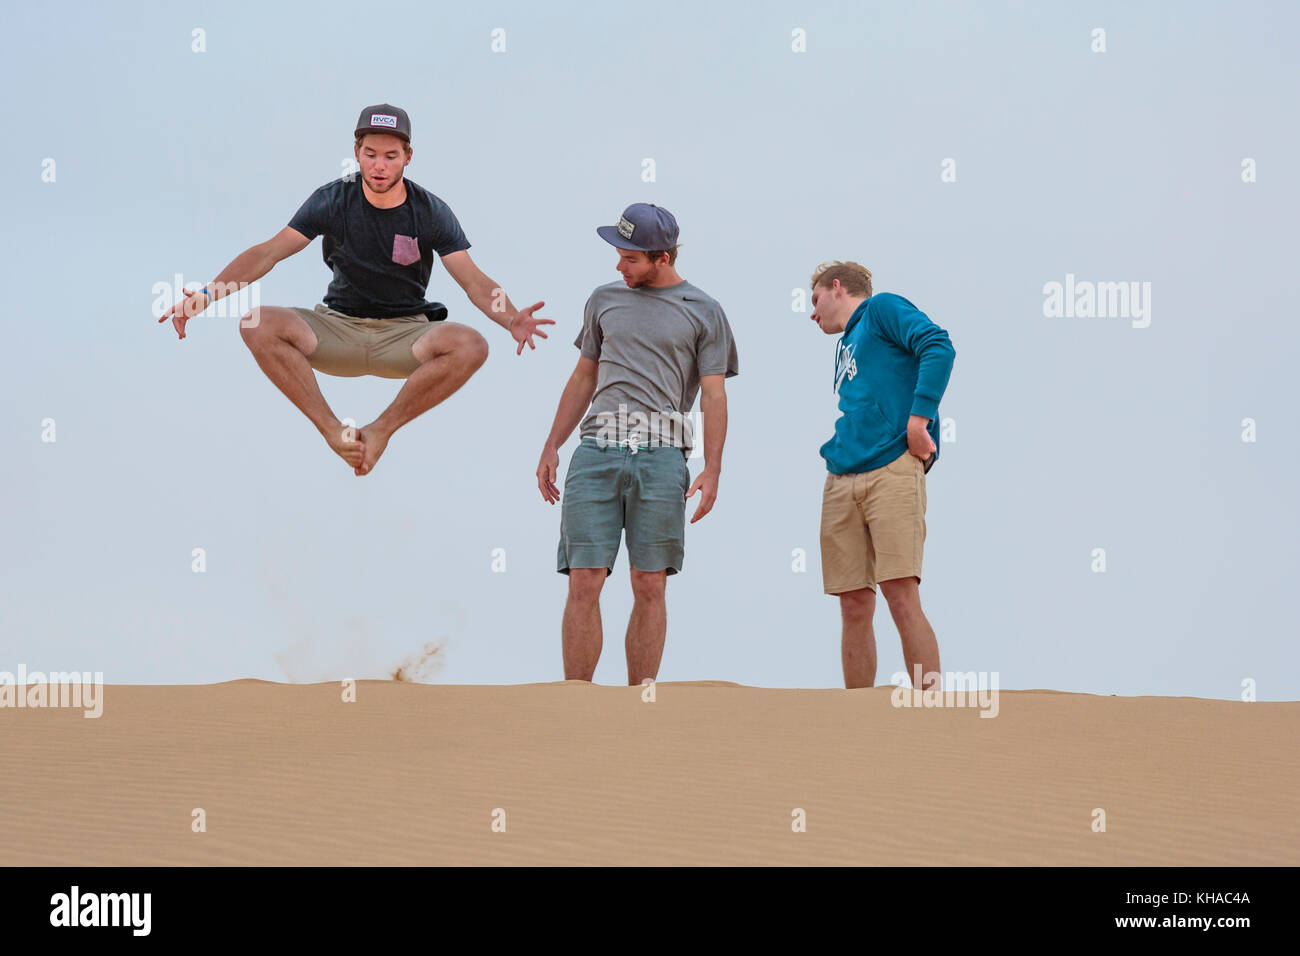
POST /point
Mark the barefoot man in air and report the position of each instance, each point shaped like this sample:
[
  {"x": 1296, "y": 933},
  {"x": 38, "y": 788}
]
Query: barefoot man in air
[{"x": 381, "y": 234}]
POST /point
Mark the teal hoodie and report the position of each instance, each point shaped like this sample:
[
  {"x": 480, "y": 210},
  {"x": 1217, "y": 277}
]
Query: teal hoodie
[{"x": 891, "y": 362}]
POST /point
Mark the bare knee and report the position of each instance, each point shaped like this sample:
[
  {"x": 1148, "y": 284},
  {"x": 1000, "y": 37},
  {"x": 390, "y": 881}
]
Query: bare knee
[
  {"x": 475, "y": 348},
  {"x": 648, "y": 586},
  {"x": 262, "y": 325},
  {"x": 255, "y": 325},
  {"x": 458, "y": 342},
  {"x": 902, "y": 594},
  {"x": 858, "y": 605},
  {"x": 585, "y": 584}
]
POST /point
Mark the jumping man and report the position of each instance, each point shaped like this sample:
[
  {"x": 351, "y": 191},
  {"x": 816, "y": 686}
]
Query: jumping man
[{"x": 381, "y": 234}]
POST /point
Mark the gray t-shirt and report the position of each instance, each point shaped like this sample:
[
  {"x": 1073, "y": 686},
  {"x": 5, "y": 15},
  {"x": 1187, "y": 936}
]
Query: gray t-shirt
[{"x": 652, "y": 346}]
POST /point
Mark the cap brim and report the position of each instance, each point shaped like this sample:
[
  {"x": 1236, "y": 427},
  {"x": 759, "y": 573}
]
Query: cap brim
[
  {"x": 615, "y": 238},
  {"x": 366, "y": 130}
]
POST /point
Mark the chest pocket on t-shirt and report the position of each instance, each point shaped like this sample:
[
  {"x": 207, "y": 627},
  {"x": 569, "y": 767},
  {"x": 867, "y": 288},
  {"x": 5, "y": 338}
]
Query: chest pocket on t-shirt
[{"x": 406, "y": 250}]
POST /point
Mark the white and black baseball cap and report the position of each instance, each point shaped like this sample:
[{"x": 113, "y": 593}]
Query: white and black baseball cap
[{"x": 384, "y": 118}]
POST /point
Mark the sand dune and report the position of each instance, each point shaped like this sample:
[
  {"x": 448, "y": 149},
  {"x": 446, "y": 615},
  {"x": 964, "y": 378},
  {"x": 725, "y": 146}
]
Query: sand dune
[{"x": 708, "y": 773}]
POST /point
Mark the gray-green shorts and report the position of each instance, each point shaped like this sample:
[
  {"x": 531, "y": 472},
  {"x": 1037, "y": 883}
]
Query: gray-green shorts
[{"x": 609, "y": 489}]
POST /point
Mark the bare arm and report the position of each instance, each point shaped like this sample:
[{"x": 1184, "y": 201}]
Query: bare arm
[
  {"x": 713, "y": 412},
  {"x": 247, "y": 267},
  {"x": 490, "y": 299},
  {"x": 574, "y": 402}
]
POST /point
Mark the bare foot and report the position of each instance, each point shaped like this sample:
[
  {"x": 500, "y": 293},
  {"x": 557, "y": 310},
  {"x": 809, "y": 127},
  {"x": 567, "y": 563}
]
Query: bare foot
[
  {"x": 347, "y": 443},
  {"x": 374, "y": 441}
]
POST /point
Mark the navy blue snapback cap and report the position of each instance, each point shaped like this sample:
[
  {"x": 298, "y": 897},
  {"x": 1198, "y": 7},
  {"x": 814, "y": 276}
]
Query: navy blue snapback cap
[{"x": 644, "y": 227}]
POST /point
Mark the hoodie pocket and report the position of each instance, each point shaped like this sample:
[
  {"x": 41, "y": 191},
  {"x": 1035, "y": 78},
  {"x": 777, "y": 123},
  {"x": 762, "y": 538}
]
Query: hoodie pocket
[
  {"x": 885, "y": 426},
  {"x": 862, "y": 433}
]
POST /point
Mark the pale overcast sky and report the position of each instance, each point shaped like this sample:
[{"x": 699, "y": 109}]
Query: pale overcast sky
[{"x": 1068, "y": 434}]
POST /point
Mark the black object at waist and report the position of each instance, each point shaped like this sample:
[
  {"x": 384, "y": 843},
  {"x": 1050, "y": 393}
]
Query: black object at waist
[{"x": 433, "y": 311}]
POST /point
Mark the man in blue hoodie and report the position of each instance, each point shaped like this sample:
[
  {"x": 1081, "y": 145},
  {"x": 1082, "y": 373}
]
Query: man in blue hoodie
[{"x": 891, "y": 368}]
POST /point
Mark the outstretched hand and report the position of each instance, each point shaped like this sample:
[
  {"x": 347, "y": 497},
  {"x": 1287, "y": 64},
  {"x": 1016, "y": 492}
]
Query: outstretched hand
[
  {"x": 186, "y": 309},
  {"x": 525, "y": 325}
]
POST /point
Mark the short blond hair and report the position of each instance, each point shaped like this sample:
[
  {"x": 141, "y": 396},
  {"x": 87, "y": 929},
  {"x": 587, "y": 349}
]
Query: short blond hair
[{"x": 854, "y": 277}]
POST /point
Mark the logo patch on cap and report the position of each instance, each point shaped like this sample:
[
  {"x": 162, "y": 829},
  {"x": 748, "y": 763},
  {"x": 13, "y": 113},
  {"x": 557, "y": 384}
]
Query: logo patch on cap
[
  {"x": 625, "y": 228},
  {"x": 383, "y": 119}
]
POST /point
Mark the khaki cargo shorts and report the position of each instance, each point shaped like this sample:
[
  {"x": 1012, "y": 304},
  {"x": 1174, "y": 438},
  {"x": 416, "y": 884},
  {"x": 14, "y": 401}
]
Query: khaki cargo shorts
[
  {"x": 873, "y": 525},
  {"x": 351, "y": 346}
]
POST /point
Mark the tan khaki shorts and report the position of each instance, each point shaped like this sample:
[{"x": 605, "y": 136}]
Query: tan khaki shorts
[
  {"x": 351, "y": 346},
  {"x": 873, "y": 525}
]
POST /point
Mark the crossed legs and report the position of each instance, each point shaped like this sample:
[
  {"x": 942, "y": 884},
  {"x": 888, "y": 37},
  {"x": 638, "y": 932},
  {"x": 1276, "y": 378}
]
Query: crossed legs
[{"x": 281, "y": 342}]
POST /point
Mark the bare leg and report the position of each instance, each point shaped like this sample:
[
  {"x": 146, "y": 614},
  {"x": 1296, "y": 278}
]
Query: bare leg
[
  {"x": 281, "y": 341},
  {"x": 581, "y": 626},
  {"x": 647, "y": 628},
  {"x": 449, "y": 354},
  {"x": 858, "y": 640},
  {"x": 920, "y": 648}
]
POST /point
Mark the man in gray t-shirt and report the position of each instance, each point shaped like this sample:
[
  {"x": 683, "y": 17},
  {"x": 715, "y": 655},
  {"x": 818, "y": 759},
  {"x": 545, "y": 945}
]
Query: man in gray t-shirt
[{"x": 650, "y": 343}]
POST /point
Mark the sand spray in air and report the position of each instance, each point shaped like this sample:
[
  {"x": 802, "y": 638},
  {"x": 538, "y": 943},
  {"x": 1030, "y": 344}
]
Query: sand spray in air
[{"x": 421, "y": 665}]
